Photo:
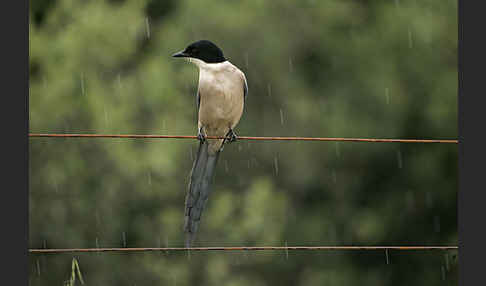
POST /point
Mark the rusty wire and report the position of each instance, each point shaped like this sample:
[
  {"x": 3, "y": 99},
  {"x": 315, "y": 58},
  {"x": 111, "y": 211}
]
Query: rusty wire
[
  {"x": 244, "y": 248},
  {"x": 51, "y": 135}
]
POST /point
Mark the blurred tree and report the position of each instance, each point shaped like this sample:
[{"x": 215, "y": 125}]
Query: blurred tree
[{"x": 384, "y": 69}]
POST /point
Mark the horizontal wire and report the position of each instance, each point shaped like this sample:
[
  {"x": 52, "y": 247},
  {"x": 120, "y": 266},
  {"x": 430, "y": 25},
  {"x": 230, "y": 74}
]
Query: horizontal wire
[
  {"x": 453, "y": 141},
  {"x": 242, "y": 248}
]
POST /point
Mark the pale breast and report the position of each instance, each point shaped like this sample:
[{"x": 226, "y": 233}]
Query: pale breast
[{"x": 221, "y": 98}]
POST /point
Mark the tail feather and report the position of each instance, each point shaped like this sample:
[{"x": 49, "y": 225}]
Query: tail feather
[{"x": 199, "y": 189}]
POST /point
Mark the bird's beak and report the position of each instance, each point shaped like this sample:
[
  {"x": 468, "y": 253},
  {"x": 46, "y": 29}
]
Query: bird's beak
[{"x": 180, "y": 54}]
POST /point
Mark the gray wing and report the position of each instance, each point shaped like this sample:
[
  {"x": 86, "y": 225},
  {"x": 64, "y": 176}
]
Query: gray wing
[
  {"x": 245, "y": 88},
  {"x": 198, "y": 103}
]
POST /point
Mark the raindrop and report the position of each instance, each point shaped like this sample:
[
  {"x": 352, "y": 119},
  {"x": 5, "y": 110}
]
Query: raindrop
[
  {"x": 281, "y": 117},
  {"x": 410, "y": 40},
  {"x": 286, "y": 251},
  {"x": 323, "y": 103},
  {"x": 44, "y": 81},
  {"x": 386, "y": 255},
  {"x": 56, "y": 187},
  {"x": 436, "y": 223},
  {"x": 399, "y": 159},
  {"x": 446, "y": 257},
  {"x": 248, "y": 163},
  {"x": 149, "y": 178},
  {"x": 65, "y": 125},
  {"x": 119, "y": 81},
  {"x": 38, "y": 267},
  {"x": 291, "y": 66},
  {"x": 269, "y": 89},
  {"x": 226, "y": 166},
  {"x": 97, "y": 244},
  {"x": 44, "y": 243},
  {"x": 338, "y": 152},
  {"x": 167, "y": 243},
  {"x": 246, "y": 59},
  {"x": 174, "y": 123},
  {"x": 240, "y": 148},
  {"x": 255, "y": 162},
  {"x": 275, "y": 161},
  {"x": 387, "y": 95},
  {"x": 97, "y": 216},
  {"x": 163, "y": 125},
  {"x": 428, "y": 199},
  {"x": 332, "y": 234},
  {"x": 147, "y": 27},
  {"x": 442, "y": 270},
  {"x": 106, "y": 115},
  {"x": 82, "y": 84},
  {"x": 410, "y": 200},
  {"x": 124, "y": 239}
]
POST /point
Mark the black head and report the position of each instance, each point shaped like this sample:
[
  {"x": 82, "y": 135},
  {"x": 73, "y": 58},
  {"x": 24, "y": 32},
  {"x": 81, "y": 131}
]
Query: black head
[{"x": 203, "y": 50}]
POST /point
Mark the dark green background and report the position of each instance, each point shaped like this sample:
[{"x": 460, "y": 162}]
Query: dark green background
[{"x": 340, "y": 68}]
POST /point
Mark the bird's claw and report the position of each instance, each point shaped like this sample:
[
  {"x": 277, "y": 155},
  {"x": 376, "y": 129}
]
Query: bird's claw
[
  {"x": 231, "y": 136},
  {"x": 200, "y": 135}
]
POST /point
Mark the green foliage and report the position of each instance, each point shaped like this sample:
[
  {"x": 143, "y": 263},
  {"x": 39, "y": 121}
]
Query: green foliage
[
  {"x": 75, "y": 271},
  {"x": 333, "y": 68}
]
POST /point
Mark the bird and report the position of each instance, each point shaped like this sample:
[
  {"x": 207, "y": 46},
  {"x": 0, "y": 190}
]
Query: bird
[{"x": 220, "y": 100}]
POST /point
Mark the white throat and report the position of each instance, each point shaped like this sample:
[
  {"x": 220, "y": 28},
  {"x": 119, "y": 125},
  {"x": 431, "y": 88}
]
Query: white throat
[{"x": 203, "y": 65}]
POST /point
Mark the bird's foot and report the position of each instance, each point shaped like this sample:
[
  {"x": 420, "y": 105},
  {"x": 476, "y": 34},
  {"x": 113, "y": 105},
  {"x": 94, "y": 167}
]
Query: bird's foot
[
  {"x": 201, "y": 136},
  {"x": 231, "y": 136}
]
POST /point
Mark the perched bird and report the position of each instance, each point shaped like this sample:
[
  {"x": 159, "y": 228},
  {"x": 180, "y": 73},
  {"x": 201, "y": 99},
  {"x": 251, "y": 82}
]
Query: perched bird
[{"x": 221, "y": 96}]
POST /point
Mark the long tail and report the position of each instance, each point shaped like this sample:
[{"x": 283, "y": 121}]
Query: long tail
[{"x": 199, "y": 188}]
